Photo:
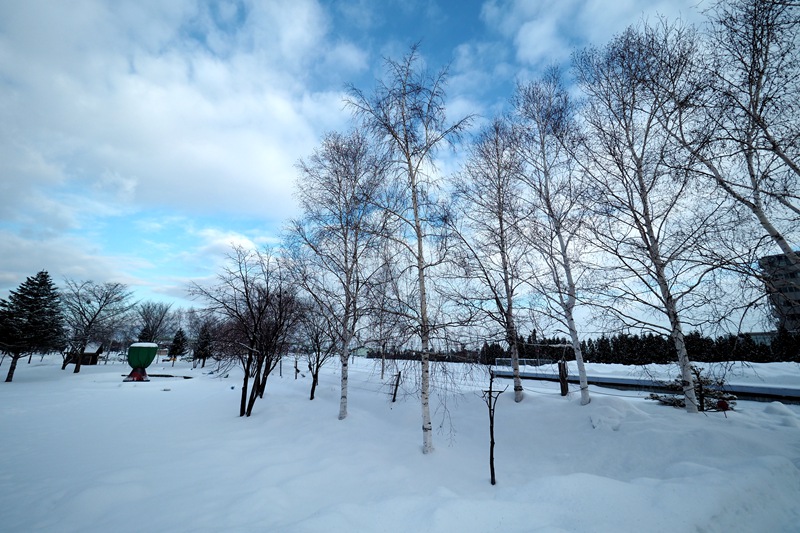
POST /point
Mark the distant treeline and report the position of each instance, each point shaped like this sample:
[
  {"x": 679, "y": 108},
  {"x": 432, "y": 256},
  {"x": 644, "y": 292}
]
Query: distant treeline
[
  {"x": 629, "y": 349},
  {"x": 649, "y": 348}
]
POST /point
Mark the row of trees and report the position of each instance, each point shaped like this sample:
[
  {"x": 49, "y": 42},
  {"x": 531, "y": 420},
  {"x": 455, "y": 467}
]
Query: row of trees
[
  {"x": 645, "y": 349},
  {"x": 38, "y": 318},
  {"x": 643, "y": 205},
  {"x": 646, "y": 202}
]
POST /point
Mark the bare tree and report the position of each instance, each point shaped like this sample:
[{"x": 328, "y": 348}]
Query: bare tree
[
  {"x": 155, "y": 321},
  {"x": 736, "y": 112},
  {"x": 548, "y": 138},
  {"x": 488, "y": 198},
  {"x": 201, "y": 327},
  {"x": 259, "y": 309},
  {"x": 654, "y": 217},
  {"x": 338, "y": 189},
  {"x": 92, "y": 311},
  {"x": 386, "y": 326},
  {"x": 407, "y": 113},
  {"x": 319, "y": 339}
]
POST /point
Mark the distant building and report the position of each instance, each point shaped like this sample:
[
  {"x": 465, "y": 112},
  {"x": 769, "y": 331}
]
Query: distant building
[
  {"x": 782, "y": 281},
  {"x": 764, "y": 338}
]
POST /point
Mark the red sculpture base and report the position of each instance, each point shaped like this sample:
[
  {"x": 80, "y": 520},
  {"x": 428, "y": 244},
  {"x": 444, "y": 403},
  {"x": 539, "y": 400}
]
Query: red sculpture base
[{"x": 137, "y": 374}]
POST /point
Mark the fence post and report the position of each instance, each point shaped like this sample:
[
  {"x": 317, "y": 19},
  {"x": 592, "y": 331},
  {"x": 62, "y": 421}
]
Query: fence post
[{"x": 562, "y": 377}]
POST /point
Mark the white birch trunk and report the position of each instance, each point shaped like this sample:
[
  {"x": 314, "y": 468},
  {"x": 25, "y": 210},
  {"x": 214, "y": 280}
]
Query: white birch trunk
[
  {"x": 670, "y": 306},
  {"x": 427, "y": 426},
  {"x": 687, "y": 377},
  {"x": 344, "y": 357},
  {"x": 576, "y": 347},
  {"x": 511, "y": 330},
  {"x": 569, "y": 307},
  {"x": 519, "y": 392}
]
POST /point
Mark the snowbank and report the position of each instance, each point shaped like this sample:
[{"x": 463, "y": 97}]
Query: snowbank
[{"x": 89, "y": 453}]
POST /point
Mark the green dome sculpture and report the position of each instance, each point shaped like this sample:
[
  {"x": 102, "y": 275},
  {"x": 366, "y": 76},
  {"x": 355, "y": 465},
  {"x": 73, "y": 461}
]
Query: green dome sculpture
[{"x": 140, "y": 355}]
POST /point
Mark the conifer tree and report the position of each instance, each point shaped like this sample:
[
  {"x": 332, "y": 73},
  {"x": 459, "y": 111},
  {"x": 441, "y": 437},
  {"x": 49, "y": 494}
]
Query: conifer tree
[
  {"x": 202, "y": 346},
  {"x": 31, "y": 320},
  {"x": 179, "y": 346}
]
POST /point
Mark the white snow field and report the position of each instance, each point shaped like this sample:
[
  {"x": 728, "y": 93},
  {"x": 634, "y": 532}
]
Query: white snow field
[{"x": 88, "y": 453}]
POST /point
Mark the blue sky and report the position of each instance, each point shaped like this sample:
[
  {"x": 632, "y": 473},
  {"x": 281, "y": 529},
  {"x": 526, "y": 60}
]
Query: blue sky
[{"x": 139, "y": 139}]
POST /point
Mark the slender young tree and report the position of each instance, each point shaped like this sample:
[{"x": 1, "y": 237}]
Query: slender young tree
[
  {"x": 203, "y": 345},
  {"x": 179, "y": 345},
  {"x": 488, "y": 199},
  {"x": 319, "y": 334},
  {"x": 339, "y": 231},
  {"x": 406, "y": 111},
  {"x": 548, "y": 137}
]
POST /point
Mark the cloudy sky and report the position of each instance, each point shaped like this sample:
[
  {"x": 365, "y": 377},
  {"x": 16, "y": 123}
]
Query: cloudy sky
[{"x": 139, "y": 139}]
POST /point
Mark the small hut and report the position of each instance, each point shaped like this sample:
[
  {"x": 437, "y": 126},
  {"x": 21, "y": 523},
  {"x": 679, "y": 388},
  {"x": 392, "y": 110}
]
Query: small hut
[{"x": 90, "y": 355}]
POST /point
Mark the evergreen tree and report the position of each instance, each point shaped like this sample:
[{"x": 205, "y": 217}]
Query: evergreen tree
[
  {"x": 700, "y": 347},
  {"x": 588, "y": 350},
  {"x": 31, "y": 320},
  {"x": 490, "y": 352},
  {"x": 604, "y": 352},
  {"x": 146, "y": 334},
  {"x": 785, "y": 346},
  {"x": 179, "y": 346},
  {"x": 202, "y": 347}
]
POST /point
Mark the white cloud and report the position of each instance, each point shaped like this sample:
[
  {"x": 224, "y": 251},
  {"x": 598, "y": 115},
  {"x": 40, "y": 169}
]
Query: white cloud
[
  {"x": 199, "y": 110},
  {"x": 346, "y": 57},
  {"x": 547, "y": 32},
  {"x": 539, "y": 42},
  {"x": 177, "y": 126},
  {"x": 115, "y": 107},
  {"x": 76, "y": 258}
]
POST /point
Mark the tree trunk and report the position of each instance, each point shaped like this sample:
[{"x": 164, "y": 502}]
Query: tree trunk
[
  {"x": 687, "y": 378},
  {"x": 344, "y": 358},
  {"x": 245, "y": 383},
  {"x": 519, "y": 393},
  {"x": 12, "y": 368},
  {"x": 576, "y": 348},
  {"x": 427, "y": 426},
  {"x": 383, "y": 359},
  {"x": 676, "y": 332},
  {"x": 267, "y": 370},
  {"x": 569, "y": 309},
  {"x": 511, "y": 329},
  {"x": 243, "y": 401},
  {"x": 258, "y": 387},
  {"x": 314, "y": 381}
]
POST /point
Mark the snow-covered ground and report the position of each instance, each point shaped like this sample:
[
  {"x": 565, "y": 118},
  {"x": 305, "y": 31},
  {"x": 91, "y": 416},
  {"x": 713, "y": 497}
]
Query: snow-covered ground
[{"x": 90, "y": 453}]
